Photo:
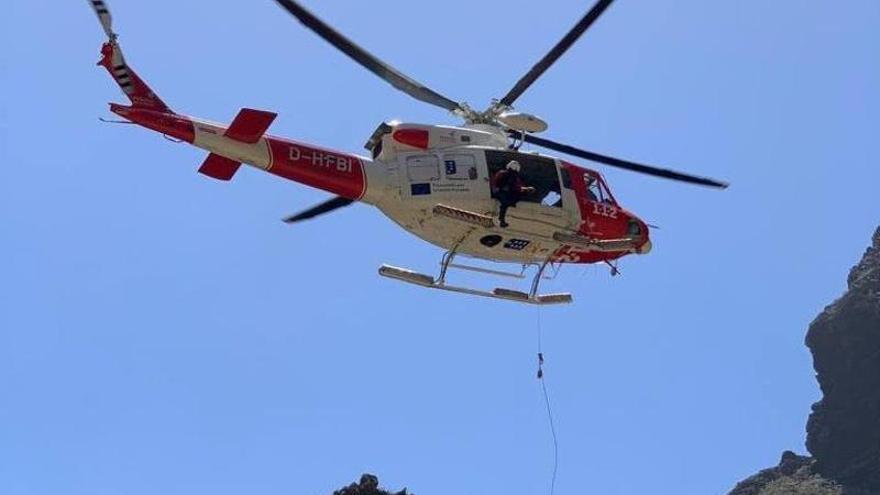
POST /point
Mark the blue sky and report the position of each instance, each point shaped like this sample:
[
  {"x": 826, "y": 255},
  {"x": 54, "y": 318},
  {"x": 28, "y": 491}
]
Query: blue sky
[{"x": 164, "y": 333}]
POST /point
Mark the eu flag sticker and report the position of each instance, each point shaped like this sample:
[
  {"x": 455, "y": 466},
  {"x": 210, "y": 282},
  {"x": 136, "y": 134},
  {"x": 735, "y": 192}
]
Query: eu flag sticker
[{"x": 420, "y": 189}]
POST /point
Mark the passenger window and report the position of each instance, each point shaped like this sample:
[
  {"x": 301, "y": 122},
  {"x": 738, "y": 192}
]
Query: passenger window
[
  {"x": 423, "y": 168},
  {"x": 460, "y": 166}
]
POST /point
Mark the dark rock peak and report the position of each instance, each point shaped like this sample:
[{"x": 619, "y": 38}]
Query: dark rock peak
[
  {"x": 866, "y": 275},
  {"x": 843, "y": 432},
  {"x": 368, "y": 485}
]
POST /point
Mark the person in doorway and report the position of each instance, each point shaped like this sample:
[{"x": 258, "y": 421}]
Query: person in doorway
[{"x": 508, "y": 188}]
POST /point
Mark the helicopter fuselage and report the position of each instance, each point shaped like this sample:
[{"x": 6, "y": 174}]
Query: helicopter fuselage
[
  {"x": 460, "y": 176},
  {"x": 419, "y": 167}
]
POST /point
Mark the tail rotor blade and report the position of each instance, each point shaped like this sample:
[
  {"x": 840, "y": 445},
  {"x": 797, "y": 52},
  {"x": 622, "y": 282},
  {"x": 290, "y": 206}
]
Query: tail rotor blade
[
  {"x": 320, "y": 209},
  {"x": 104, "y": 17}
]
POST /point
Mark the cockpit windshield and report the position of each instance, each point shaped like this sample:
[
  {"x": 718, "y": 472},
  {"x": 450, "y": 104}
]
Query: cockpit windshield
[{"x": 597, "y": 190}]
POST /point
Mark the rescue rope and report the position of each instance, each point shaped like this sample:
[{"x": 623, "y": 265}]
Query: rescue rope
[{"x": 547, "y": 404}]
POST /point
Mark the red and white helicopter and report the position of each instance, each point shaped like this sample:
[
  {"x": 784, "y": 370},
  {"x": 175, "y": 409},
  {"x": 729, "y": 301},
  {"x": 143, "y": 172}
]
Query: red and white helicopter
[{"x": 432, "y": 180}]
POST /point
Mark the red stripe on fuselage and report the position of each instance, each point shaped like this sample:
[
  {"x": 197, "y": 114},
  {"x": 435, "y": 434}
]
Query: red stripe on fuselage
[{"x": 339, "y": 173}]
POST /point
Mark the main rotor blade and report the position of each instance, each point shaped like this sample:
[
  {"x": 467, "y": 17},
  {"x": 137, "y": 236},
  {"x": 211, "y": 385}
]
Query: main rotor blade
[
  {"x": 617, "y": 162},
  {"x": 320, "y": 209},
  {"x": 557, "y": 51},
  {"x": 368, "y": 60}
]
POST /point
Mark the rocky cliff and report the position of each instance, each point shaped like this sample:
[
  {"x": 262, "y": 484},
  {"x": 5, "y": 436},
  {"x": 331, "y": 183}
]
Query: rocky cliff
[{"x": 843, "y": 432}]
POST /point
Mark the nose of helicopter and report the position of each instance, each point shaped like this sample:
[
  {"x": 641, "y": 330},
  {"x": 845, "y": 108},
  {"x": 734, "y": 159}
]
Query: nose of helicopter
[{"x": 639, "y": 229}]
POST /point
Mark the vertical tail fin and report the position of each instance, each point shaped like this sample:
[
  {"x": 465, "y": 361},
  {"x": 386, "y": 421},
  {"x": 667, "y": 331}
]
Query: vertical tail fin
[{"x": 134, "y": 87}]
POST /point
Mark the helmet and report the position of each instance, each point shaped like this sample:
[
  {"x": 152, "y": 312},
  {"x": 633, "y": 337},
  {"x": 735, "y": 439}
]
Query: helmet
[{"x": 513, "y": 165}]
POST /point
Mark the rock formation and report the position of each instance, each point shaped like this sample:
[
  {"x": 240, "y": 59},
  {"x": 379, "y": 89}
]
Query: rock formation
[
  {"x": 368, "y": 485},
  {"x": 793, "y": 476},
  {"x": 843, "y": 432}
]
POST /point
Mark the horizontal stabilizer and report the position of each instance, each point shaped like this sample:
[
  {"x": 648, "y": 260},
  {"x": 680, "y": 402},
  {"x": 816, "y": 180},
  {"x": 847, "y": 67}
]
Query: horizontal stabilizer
[
  {"x": 219, "y": 167},
  {"x": 250, "y": 125}
]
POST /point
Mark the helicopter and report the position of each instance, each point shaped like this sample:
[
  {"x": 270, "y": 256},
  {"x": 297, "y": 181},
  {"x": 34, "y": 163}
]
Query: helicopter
[{"x": 435, "y": 181}]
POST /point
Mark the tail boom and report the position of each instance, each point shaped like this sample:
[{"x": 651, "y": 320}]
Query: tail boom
[
  {"x": 243, "y": 141},
  {"x": 170, "y": 124},
  {"x": 340, "y": 173}
]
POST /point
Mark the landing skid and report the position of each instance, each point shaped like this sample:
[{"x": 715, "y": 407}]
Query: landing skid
[{"x": 532, "y": 297}]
